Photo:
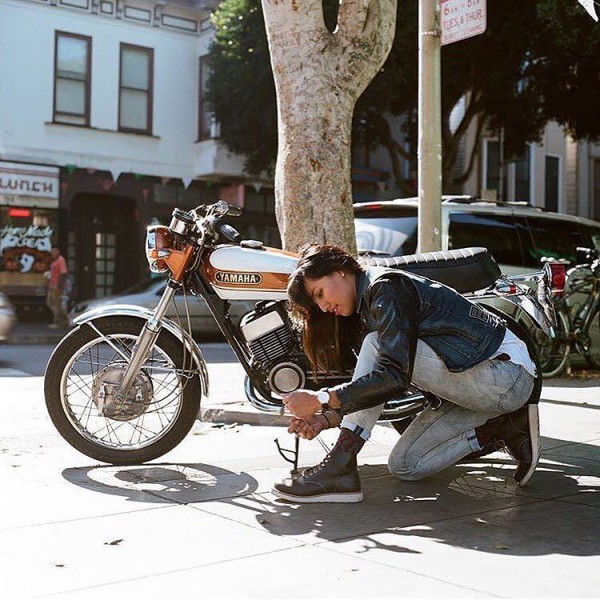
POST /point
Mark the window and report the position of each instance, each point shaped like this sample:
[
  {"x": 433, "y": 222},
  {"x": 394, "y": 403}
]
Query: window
[
  {"x": 492, "y": 169},
  {"x": 136, "y": 89},
  {"x": 557, "y": 238},
  {"x": 386, "y": 233},
  {"x": 204, "y": 116},
  {"x": 596, "y": 189},
  {"x": 523, "y": 177},
  {"x": 552, "y": 183},
  {"x": 498, "y": 233},
  {"x": 72, "y": 76},
  {"x": 592, "y": 236}
]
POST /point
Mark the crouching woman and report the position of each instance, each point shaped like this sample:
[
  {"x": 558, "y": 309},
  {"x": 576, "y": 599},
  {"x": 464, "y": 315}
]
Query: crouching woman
[{"x": 418, "y": 331}]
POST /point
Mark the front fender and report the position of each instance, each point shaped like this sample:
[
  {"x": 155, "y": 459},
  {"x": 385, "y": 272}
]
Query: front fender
[{"x": 139, "y": 312}]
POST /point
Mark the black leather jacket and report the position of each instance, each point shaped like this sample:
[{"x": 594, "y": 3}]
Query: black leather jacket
[{"x": 403, "y": 307}]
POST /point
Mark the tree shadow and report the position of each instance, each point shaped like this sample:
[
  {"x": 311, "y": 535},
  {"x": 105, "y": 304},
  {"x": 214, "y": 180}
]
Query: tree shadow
[{"x": 472, "y": 506}]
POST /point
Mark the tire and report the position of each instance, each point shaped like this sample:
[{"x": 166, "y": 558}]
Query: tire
[
  {"x": 555, "y": 353},
  {"x": 592, "y": 359},
  {"x": 164, "y": 412}
]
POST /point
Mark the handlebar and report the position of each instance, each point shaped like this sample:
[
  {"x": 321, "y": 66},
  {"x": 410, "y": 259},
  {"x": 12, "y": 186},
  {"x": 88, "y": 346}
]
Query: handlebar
[{"x": 229, "y": 233}]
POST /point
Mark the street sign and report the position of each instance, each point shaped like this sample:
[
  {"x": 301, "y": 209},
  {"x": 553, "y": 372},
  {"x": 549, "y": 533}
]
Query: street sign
[
  {"x": 462, "y": 19},
  {"x": 591, "y": 9}
]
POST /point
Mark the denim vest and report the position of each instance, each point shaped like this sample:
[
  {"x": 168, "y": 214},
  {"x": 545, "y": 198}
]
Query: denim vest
[{"x": 460, "y": 332}]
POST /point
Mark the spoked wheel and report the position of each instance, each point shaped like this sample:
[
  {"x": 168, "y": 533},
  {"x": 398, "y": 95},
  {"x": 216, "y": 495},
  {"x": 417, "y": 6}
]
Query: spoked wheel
[
  {"x": 590, "y": 351},
  {"x": 554, "y": 352},
  {"x": 80, "y": 384}
]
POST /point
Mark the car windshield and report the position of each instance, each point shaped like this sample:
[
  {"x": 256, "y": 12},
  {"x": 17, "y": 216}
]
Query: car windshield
[{"x": 386, "y": 232}]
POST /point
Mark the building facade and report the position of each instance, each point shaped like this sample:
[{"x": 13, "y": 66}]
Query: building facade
[{"x": 103, "y": 130}]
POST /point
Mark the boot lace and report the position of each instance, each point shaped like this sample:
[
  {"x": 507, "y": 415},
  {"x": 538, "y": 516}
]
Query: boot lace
[{"x": 317, "y": 468}]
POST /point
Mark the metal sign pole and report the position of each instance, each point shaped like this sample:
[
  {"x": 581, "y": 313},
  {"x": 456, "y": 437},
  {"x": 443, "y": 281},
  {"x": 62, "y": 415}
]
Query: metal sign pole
[{"x": 430, "y": 123}]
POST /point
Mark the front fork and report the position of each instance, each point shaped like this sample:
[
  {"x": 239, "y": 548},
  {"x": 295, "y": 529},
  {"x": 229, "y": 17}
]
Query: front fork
[{"x": 145, "y": 342}]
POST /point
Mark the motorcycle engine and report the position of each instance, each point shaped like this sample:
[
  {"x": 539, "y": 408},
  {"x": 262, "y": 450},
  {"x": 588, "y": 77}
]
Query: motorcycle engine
[{"x": 268, "y": 333}]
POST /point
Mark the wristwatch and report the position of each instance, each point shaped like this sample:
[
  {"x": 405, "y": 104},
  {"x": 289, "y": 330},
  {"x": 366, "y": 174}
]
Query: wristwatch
[{"x": 323, "y": 396}]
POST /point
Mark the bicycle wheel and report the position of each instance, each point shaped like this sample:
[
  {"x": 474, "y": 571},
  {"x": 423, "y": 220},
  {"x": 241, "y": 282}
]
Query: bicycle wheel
[
  {"x": 554, "y": 352},
  {"x": 591, "y": 351}
]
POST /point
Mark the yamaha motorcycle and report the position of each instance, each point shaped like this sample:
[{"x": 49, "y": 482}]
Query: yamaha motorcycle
[{"x": 125, "y": 385}]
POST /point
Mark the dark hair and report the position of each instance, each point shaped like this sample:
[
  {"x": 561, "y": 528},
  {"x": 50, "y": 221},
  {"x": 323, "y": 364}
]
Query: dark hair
[{"x": 325, "y": 337}]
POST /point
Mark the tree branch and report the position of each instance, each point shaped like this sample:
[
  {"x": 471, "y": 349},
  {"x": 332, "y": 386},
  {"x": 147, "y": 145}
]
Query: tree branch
[
  {"x": 365, "y": 35},
  {"x": 297, "y": 15},
  {"x": 352, "y": 17}
]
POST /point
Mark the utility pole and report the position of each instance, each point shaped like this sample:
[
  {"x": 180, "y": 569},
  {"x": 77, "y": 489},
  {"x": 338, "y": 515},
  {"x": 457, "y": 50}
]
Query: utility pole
[{"x": 430, "y": 124}]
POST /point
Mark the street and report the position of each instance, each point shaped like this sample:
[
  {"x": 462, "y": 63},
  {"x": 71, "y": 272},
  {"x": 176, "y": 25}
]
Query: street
[{"x": 202, "y": 522}]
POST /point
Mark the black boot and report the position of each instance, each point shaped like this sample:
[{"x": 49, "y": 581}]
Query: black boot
[
  {"x": 335, "y": 479},
  {"x": 519, "y": 432}
]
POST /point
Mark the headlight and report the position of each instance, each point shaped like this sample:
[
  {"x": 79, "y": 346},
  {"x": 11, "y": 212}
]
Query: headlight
[{"x": 159, "y": 241}]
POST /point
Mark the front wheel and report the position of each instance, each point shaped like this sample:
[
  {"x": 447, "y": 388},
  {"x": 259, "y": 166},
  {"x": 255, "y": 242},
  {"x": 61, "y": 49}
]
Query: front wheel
[
  {"x": 554, "y": 352},
  {"x": 85, "y": 370}
]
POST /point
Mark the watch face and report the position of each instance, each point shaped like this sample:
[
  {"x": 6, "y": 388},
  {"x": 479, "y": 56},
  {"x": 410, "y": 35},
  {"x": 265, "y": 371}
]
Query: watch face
[{"x": 323, "y": 397}]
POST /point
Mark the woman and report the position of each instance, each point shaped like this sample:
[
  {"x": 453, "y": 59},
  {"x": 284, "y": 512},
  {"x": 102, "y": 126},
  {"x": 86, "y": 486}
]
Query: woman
[{"x": 419, "y": 331}]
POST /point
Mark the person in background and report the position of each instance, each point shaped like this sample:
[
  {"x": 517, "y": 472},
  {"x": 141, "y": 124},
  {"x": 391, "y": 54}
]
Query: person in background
[{"x": 58, "y": 278}]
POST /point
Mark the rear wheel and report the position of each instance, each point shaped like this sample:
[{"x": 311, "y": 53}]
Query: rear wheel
[
  {"x": 85, "y": 370},
  {"x": 591, "y": 352},
  {"x": 554, "y": 352}
]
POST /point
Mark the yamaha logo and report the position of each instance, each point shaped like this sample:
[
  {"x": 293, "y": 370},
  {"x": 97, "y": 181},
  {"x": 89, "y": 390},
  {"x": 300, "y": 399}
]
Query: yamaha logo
[{"x": 239, "y": 278}]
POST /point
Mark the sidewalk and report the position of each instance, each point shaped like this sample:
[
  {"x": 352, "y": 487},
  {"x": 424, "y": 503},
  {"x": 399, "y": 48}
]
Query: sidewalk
[{"x": 201, "y": 521}]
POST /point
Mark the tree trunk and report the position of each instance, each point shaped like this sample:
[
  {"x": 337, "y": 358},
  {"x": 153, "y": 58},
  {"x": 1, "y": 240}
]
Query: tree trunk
[{"x": 318, "y": 78}]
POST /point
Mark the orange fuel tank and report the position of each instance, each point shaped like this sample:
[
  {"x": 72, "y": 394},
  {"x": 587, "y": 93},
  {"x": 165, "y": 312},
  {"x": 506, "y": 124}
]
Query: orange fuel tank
[{"x": 238, "y": 273}]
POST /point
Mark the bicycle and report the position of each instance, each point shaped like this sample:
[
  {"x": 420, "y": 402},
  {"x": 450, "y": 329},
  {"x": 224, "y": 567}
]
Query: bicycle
[{"x": 574, "y": 320}]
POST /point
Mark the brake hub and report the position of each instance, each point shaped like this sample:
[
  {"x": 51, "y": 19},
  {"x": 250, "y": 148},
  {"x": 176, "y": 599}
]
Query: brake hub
[{"x": 109, "y": 399}]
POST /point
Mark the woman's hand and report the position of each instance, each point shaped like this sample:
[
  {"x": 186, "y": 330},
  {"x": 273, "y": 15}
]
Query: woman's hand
[
  {"x": 308, "y": 428},
  {"x": 302, "y": 403}
]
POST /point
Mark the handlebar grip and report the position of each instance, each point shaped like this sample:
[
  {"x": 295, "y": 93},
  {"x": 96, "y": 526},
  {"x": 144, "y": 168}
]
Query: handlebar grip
[
  {"x": 229, "y": 233},
  {"x": 234, "y": 211}
]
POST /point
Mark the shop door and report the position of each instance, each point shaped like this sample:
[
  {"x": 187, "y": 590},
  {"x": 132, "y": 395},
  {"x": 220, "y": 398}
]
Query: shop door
[{"x": 105, "y": 250}]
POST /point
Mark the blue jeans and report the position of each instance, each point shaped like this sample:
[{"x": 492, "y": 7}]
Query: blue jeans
[{"x": 439, "y": 437}]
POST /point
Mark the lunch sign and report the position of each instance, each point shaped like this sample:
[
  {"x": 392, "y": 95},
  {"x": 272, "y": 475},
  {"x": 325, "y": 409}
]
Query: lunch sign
[{"x": 461, "y": 19}]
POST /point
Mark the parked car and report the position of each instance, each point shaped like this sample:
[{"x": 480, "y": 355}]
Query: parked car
[
  {"x": 517, "y": 235},
  {"x": 147, "y": 294},
  {"x": 7, "y": 317}
]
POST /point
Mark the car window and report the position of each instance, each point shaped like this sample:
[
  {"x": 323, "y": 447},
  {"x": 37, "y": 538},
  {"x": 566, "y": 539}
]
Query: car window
[
  {"x": 498, "y": 233},
  {"x": 556, "y": 238},
  {"x": 592, "y": 235},
  {"x": 386, "y": 232}
]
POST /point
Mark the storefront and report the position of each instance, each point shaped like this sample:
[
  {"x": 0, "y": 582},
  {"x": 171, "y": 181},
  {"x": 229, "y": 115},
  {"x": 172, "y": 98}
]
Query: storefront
[{"x": 29, "y": 196}]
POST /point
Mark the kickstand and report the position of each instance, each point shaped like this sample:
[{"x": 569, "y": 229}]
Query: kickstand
[{"x": 295, "y": 453}]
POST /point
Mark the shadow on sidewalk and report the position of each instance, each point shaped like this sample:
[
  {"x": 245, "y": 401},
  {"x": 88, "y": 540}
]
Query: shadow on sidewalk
[
  {"x": 474, "y": 506},
  {"x": 180, "y": 483}
]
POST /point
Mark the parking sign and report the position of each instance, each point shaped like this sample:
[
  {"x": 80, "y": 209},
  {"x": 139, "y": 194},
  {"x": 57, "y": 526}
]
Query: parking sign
[{"x": 462, "y": 19}]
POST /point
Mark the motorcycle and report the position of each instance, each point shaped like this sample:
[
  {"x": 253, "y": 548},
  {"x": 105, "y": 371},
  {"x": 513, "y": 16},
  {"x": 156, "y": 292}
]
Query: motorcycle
[{"x": 124, "y": 386}]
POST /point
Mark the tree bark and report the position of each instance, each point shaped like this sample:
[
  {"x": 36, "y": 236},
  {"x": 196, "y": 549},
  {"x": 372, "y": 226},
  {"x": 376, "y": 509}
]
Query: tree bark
[{"x": 318, "y": 78}]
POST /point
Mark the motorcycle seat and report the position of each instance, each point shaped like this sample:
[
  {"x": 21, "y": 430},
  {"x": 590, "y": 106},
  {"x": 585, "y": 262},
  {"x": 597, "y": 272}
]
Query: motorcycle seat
[{"x": 464, "y": 269}]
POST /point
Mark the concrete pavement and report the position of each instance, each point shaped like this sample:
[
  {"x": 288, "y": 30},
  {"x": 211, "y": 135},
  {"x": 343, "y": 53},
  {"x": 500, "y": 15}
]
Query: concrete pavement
[{"x": 200, "y": 522}]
